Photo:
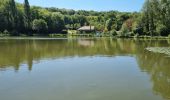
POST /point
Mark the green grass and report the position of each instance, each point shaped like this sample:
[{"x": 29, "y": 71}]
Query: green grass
[{"x": 58, "y": 35}]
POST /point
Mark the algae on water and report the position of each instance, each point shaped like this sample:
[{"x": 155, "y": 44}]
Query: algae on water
[{"x": 162, "y": 50}]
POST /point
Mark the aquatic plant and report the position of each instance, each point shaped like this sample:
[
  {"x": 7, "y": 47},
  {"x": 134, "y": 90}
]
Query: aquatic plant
[{"x": 162, "y": 50}]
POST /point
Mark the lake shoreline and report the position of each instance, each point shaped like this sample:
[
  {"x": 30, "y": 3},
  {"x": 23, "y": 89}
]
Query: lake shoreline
[{"x": 84, "y": 36}]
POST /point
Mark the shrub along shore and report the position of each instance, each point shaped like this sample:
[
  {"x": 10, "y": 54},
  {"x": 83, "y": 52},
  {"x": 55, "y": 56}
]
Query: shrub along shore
[{"x": 60, "y": 35}]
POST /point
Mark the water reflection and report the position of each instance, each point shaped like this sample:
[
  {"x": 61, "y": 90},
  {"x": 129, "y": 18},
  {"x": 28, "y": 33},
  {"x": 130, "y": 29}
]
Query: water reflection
[
  {"x": 156, "y": 65},
  {"x": 15, "y": 52}
]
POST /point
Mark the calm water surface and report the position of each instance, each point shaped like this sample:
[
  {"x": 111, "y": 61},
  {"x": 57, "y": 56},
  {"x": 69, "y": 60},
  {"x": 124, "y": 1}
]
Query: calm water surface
[{"x": 83, "y": 69}]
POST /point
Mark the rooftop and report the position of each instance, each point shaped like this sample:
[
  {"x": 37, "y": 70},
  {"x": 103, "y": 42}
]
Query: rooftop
[{"x": 86, "y": 28}]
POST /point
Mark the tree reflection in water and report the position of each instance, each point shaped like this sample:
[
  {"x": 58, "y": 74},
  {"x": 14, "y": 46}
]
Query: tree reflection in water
[{"x": 15, "y": 52}]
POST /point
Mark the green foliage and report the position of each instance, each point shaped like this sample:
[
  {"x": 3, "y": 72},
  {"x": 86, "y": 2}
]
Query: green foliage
[
  {"x": 121, "y": 34},
  {"x": 56, "y": 23},
  {"x": 100, "y": 27},
  {"x": 27, "y": 15},
  {"x": 6, "y": 32},
  {"x": 155, "y": 20},
  {"x": 108, "y": 24},
  {"x": 162, "y": 30},
  {"x": 12, "y": 11},
  {"x": 82, "y": 20},
  {"x": 18, "y": 18},
  {"x": 138, "y": 31},
  {"x": 169, "y": 36},
  {"x": 39, "y": 25},
  {"x": 124, "y": 29},
  {"x": 113, "y": 32}
]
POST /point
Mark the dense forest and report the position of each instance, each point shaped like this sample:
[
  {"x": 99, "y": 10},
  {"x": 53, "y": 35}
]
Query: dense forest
[{"x": 17, "y": 19}]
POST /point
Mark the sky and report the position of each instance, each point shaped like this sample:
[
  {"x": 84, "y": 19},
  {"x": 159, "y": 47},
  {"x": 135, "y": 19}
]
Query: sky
[{"x": 97, "y": 5}]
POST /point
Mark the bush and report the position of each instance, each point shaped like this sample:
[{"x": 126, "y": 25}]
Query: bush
[
  {"x": 6, "y": 32},
  {"x": 113, "y": 32},
  {"x": 169, "y": 36},
  {"x": 121, "y": 34},
  {"x": 138, "y": 31},
  {"x": 131, "y": 34},
  {"x": 136, "y": 35},
  {"x": 124, "y": 31},
  {"x": 162, "y": 30},
  {"x": 124, "y": 28},
  {"x": 14, "y": 33}
]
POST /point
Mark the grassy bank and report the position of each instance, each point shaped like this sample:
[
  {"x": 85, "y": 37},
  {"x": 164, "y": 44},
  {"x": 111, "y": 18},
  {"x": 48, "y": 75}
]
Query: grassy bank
[{"x": 61, "y": 35}]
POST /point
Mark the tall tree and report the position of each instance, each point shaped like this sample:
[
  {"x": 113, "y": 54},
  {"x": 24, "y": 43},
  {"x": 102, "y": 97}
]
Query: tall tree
[
  {"x": 156, "y": 17},
  {"x": 13, "y": 14},
  {"x": 27, "y": 15},
  {"x": 148, "y": 17},
  {"x": 151, "y": 17}
]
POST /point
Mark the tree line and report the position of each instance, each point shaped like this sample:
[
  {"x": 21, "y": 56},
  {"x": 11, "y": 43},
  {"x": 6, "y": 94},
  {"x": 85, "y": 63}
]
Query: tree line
[
  {"x": 156, "y": 17},
  {"x": 16, "y": 19}
]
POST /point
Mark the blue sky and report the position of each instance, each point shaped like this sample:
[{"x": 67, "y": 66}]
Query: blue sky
[{"x": 97, "y": 5}]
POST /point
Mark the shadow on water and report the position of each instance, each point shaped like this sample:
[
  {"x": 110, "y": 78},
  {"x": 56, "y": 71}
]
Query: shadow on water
[{"x": 15, "y": 52}]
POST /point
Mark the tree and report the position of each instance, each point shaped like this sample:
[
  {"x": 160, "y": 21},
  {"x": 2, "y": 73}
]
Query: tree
[
  {"x": 57, "y": 22},
  {"x": 21, "y": 26},
  {"x": 162, "y": 30},
  {"x": 27, "y": 15},
  {"x": 125, "y": 29},
  {"x": 109, "y": 24},
  {"x": 82, "y": 20},
  {"x": 19, "y": 17},
  {"x": 148, "y": 17},
  {"x": 13, "y": 18},
  {"x": 40, "y": 25},
  {"x": 2, "y": 17},
  {"x": 156, "y": 17},
  {"x": 129, "y": 24}
]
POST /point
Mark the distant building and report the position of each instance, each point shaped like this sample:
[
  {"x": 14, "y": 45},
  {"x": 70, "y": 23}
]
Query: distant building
[{"x": 86, "y": 29}]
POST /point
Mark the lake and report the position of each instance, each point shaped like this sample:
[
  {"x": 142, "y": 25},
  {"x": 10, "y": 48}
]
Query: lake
[{"x": 83, "y": 69}]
